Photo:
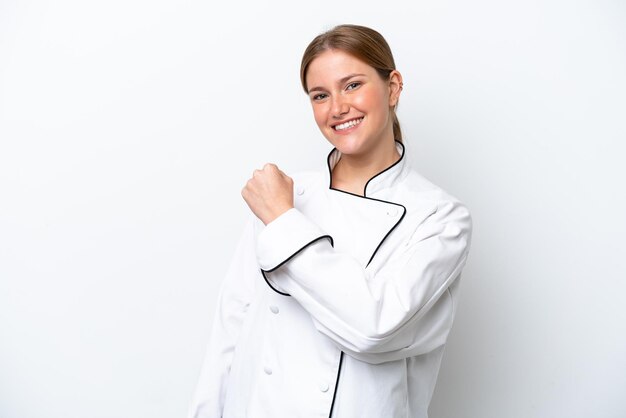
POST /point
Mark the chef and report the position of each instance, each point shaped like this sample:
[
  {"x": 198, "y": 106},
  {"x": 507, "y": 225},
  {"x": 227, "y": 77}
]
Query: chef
[{"x": 344, "y": 284}]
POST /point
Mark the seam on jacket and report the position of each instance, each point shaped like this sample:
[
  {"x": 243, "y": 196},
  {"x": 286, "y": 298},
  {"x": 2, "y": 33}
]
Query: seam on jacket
[{"x": 451, "y": 301}]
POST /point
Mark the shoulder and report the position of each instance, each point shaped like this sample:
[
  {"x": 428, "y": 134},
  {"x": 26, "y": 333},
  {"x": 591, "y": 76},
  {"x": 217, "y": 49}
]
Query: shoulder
[
  {"x": 420, "y": 187},
  {"x": 418, "y": 194}
]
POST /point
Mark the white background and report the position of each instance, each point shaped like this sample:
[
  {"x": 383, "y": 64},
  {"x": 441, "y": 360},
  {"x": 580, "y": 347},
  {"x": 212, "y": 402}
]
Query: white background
[{"x": 128, "y": 128}]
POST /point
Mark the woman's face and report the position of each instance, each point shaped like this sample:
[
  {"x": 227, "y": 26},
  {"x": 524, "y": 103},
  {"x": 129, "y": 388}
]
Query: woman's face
[{"x": 351, "y": 102}]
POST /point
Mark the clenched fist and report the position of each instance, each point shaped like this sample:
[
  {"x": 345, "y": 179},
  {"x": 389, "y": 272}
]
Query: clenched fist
[{"x": 269, "y": 193}]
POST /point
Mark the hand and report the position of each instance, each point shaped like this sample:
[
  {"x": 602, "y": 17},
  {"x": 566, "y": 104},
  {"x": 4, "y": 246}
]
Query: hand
[{"x": 269, "y": 193}]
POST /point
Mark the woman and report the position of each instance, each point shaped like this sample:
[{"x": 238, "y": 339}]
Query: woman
[{"x": 343, "y": 288}]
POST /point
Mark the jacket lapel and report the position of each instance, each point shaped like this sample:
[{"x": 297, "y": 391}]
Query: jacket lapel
[{"x": 358, "y": 225}]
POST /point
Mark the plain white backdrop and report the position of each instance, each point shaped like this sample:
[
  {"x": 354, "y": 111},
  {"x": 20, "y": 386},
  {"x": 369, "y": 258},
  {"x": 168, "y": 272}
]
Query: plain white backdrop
[{"x": 129, "y": 127}]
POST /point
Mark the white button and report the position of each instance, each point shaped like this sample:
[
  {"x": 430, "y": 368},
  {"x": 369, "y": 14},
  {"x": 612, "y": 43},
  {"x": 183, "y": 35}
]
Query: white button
[
  {"x": 392, "y": 211},
  {"x": 267, "y": 370},
  {"x": 323, "y": 386},
  {"x": 300, "y": 190},
  {"x": 274, "y": 309}
]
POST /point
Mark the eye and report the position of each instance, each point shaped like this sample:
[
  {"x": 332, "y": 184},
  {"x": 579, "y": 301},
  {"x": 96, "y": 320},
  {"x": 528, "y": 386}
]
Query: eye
[
  {"x": 320, "y": 96},
  {"x": 353, "y": 85}
]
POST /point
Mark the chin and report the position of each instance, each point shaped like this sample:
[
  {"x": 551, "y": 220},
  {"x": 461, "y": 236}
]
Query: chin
[{"x": 347, "y": 145}]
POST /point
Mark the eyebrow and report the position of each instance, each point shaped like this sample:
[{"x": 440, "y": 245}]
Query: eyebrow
[{"x": 341, "y": 81}]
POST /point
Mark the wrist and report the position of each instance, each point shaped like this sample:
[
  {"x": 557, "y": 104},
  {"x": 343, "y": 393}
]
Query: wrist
[{"x": 275, "y": 214}]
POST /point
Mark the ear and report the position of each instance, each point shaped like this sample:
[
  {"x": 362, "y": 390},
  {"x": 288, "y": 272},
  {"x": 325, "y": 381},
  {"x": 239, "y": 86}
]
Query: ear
[{"x": 395, "y": 87}]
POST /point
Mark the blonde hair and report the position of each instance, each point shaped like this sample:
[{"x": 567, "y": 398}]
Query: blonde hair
[{"x": 363, "y": 43}]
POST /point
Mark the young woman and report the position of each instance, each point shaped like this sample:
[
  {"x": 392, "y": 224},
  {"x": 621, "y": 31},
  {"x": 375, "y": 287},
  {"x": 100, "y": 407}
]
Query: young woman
[{"x": 343, "y": 287}]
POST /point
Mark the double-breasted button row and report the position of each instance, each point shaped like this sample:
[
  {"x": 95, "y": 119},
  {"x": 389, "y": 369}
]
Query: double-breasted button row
[
  {"x": 274, "y": 309},
  {"x": 322, "y": 386},
  {"x": 300, "y": 190}
]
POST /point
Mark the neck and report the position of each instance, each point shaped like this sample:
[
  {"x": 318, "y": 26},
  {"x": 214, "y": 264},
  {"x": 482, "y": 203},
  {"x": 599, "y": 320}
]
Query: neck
[{"x": 352, "y": 172}]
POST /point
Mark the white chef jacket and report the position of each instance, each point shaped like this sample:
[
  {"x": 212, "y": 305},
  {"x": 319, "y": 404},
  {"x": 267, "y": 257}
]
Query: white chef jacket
[{"x": 341, "y": 306}]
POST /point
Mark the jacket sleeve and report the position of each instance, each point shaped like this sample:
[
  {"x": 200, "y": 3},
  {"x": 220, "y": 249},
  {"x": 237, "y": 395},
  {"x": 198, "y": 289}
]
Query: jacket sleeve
[
  {"x": 234, "y": 297},
  {"x": 407, "y": 312}
]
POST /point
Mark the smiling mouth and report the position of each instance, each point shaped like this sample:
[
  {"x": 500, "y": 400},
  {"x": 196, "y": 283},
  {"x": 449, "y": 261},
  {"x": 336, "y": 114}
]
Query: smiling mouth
[{"x": 348, "y": 124}]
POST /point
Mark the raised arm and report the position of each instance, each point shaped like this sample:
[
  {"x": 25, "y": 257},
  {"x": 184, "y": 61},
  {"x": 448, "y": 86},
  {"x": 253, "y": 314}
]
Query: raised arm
[{"x": 402, "y": 308}]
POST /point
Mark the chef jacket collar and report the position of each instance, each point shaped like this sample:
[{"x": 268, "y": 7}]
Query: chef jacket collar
[{"x": 384, "y": 179}]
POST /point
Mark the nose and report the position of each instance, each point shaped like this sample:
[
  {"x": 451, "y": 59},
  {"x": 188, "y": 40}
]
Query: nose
[{"x": 340, "y": 107}]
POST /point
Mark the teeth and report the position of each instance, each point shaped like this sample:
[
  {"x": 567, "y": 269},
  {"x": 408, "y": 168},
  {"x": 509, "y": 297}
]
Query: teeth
[{"x": 348, "y": 124}]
